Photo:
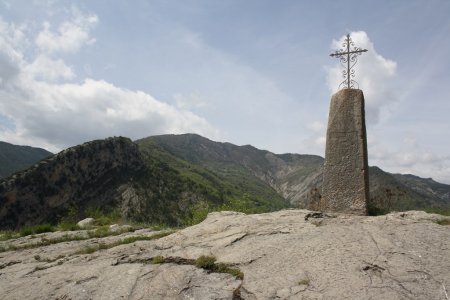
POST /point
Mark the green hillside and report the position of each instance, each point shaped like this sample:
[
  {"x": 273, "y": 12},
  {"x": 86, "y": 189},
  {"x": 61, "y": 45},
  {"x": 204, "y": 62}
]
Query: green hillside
[
  {"x": 226, "y": 184},
  {"x": 294, "y": 176},
  {"x": 177, "y": 179},
  {"x": 140, "y": 182},
  {"x": 15, "y": 158}
]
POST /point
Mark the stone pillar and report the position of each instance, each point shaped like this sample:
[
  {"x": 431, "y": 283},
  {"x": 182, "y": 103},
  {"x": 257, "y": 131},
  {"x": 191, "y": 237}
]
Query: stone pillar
[{"x": 346, "y": 179}]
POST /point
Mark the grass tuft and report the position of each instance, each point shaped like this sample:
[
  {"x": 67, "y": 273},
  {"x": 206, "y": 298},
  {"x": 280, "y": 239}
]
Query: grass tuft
[
  {"x": 8, "y": 235},
  {"x": 206, "y": 262},
  {"x": 304, "y": 281},
  {"x": 209, "y": 263},
  {"x": 88, "y": 249},
  {"x": 68, "y": 226},
  {"x": 158, "y": 260},
  {"x": 29, "y": 230},
  {"x": 223, "y": 268}
]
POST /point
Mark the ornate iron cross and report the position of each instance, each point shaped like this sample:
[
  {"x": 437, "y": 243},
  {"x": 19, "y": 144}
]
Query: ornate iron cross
[{"x": 348, "y": 58}]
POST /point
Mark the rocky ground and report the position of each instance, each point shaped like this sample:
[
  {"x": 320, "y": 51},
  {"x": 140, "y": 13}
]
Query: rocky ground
[{"x": 290, "y": 254}]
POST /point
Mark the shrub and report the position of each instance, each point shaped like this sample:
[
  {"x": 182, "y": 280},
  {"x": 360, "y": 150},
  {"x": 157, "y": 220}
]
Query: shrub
[
  {"x": 198, "y": 213},
  {"x": 43, "y": 228},
  {"x": 206, "y": 262},
  {"x": 26, "y": 231}
]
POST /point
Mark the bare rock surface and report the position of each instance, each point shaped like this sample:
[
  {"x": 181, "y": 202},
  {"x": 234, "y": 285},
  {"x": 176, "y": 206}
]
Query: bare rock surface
[
  {"x": 290, "y": 254},
  {"x": 86, "y": 222}
]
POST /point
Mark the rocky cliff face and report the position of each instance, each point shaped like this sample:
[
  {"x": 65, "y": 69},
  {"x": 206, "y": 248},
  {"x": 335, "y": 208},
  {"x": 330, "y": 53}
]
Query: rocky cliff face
[
  {"x": 289, "y": 254},
  {"x": 85, "y": 175}
]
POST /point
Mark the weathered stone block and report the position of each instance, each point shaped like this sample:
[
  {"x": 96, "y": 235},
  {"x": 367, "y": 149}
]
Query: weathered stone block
[{"x": 345, "y": 180}]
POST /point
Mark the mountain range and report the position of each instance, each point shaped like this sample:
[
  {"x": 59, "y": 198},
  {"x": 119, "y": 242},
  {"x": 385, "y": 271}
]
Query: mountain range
[{"x": 177, "y": 179}]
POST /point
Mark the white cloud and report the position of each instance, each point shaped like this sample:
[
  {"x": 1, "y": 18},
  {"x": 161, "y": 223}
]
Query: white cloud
[
  {"x": 374, "y": 74},
  {"x": 317, "y": 126},
  {"x": 12, "y": 39},
  {"x": 46, "y": 68},
  {"x": 189, "y": 101},
  {"x": 69, "y": 113},
  {"x": 70, "y": 35},
  {"x": 49, "y": 111},
  {"x": 410, "y": 158}
]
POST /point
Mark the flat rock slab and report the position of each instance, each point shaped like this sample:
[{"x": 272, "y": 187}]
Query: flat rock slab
[{"x": 289, "y": 254}]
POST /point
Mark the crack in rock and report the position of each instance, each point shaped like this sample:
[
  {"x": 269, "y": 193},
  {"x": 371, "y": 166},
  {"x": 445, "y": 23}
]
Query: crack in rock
[
  {"x": 85, "y": 279},
  {"x": 10, "y": 263},
  {"x": 373, "y": 267},
  {"x": 318, "y": 215}
]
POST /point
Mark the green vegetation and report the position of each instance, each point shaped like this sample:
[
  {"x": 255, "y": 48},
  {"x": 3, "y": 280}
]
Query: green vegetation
[
  {"x": 88, "y": 249},
  {"x": 29, "y": 230},
  {"x": 439, "y": 211},
  {"x": 195, "y": 183},
  {"x": 32, "y": 230},
  {"x": 67, "y": 226},
  {"x": 128, "y": 240},
  {"x": 101, "y": 218},
  {"x": 176, "y": 180},
  {"x": 102, "y": 231},
  {"x": 97, "y": 233},
  {"x": 397, "y": 192},
  {"x": 205, "y": 262},
  {"x": 209, "y": 263},
  {"x": 8, "y": 235},
  {"x": 43, "y": 242},
  {"x": 14, "y": 158},
  {"x": 374, "y": 210},
  {"x": 443, "y": 222},
  {"x": 304, "y": 281},
  {"x": 158, "y": 260}
]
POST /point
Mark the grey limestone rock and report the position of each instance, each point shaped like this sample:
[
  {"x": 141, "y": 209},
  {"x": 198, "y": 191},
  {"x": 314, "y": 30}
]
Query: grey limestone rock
[
  {"x": 283, "y": 255},
  {"x": 86, "y": 222}
]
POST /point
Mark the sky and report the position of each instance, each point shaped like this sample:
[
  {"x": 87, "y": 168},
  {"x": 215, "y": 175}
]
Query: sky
[{"x": 247, "y": 72}]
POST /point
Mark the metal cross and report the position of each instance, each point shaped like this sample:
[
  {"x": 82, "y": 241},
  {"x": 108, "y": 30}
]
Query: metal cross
[{"x": 348, "y": 58}]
